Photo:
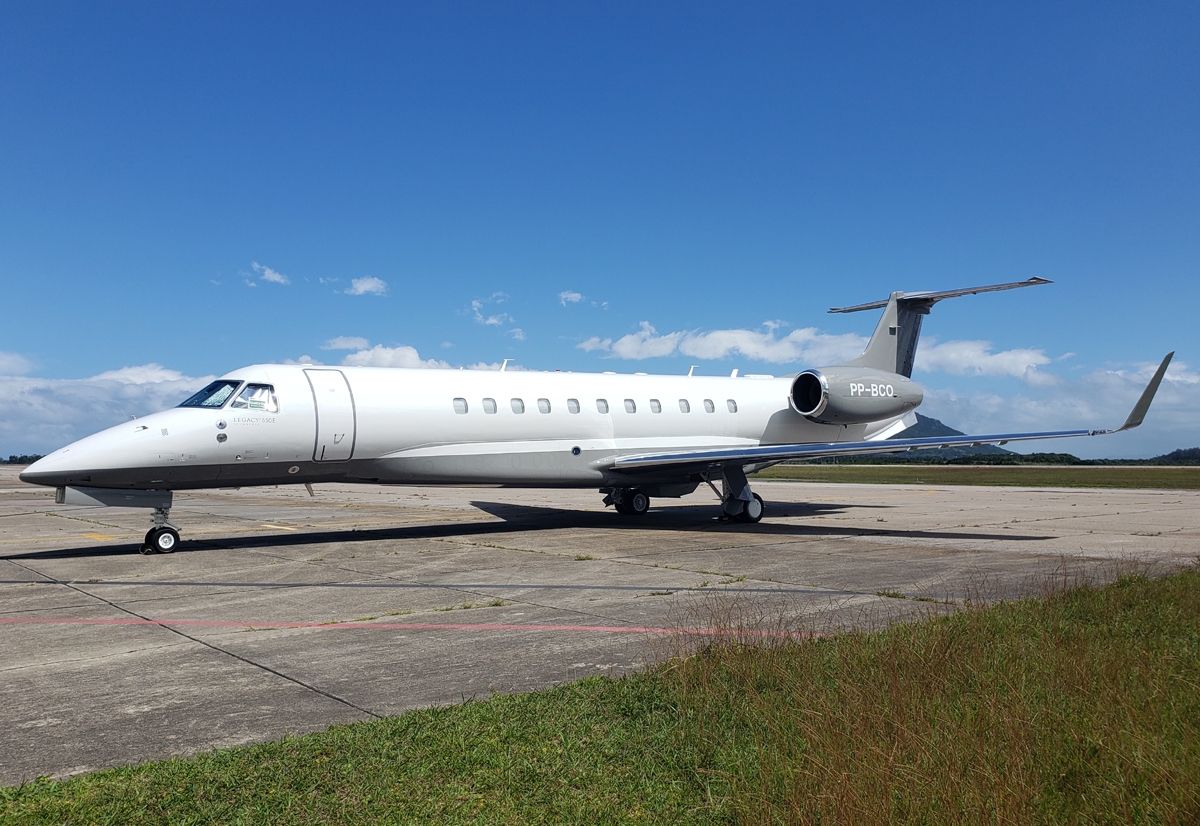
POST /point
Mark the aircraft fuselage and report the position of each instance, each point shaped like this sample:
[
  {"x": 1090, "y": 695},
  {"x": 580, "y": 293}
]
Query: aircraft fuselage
[{"x": 429, "y": 426}]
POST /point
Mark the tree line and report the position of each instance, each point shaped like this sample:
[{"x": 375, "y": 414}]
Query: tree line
[{"x": 23, "y": 459}]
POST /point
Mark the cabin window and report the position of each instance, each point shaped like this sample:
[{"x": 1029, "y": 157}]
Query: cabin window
[
  {"x": 257, "y": 397},
  {"x": 684, "y": 407},
  {"x": 215, "y": 395},
  {"x": 518, "y": 406},
  {"x": 655, "y": 406},
  {"x": 544, "y": 405},
  {"x": 460, "y": 405},
  {"x": 630, "y": 407},
  {"x": 709, "y": 407},
  {"x": 732, "y": 405},
  {"x": 602, "y": 405},
  {"x": 489, "y": 405},
  {"x": 573, "y": 405}
]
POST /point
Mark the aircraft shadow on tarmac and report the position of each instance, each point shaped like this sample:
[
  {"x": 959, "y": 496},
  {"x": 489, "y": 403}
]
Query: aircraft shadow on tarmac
[{"x": 521, "y": 518}]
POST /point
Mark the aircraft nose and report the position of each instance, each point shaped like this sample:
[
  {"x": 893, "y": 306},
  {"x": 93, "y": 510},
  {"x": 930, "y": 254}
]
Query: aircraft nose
[{"x": 45, "y": 471}]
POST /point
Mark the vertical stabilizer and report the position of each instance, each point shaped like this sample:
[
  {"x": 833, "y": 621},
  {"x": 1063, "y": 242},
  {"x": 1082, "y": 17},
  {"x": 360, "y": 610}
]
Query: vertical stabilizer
[{"x": 893, "y": 347}]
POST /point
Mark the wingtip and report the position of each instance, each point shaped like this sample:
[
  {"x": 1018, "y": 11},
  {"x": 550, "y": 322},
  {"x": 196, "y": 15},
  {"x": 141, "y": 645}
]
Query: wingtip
[{"x": 1138, "y": 414}]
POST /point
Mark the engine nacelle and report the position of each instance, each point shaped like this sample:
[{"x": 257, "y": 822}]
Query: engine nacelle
[{"x": 852, "y": 395}]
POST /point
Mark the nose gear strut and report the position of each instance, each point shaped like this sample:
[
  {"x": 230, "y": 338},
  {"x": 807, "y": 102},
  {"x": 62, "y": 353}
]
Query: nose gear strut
[{"x": 163, "y": 538}]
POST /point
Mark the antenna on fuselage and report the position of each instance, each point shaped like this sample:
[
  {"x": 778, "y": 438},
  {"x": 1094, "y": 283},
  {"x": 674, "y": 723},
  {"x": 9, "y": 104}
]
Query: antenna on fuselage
[
  {"x": 504, "y": 364},
  {"x": 693, "y": 367}
]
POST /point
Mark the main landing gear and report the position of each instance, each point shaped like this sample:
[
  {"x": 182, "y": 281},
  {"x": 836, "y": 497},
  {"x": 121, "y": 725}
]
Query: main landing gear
[
  {"x": 163, "y": 538},
  {"x": 629, "y": 501},
  {"x": 738, "y": 502}
]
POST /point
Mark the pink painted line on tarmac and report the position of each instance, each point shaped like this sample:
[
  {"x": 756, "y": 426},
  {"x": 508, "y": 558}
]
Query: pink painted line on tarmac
[{"x": 392, "y": 626}]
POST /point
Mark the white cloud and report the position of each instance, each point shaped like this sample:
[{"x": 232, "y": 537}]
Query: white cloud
[
  {"x": 1177, "y": 373},
  {"x": 142, "y": 374},
  {"x": 799, "y": 346},
  {"x": 13, "y": 364},
  {"x": 267, "y": 274},
  {"x": 809, "y": 346},
  {"x": 975, "y": 358},
  {"x": 512, "y": 367},
  {"x": 305, "y": 359},
  {"x": 569, "y": 297},
  {"x": 804, "y": 346},
  {"x": 346, "y": 343},
  {"x": 367, "y": 285},
  {"x": 489, "y": 320},
  {"x": 41, "y": 415},
  {"x": 380, "y": 356},
  {"x": 406, "y": 356},
  {"x": 479, "y": 311},
  {"x": 645, "y": 343}
]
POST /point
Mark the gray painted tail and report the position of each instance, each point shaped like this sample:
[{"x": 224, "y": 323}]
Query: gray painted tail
[{"x": 893, "y": 347}]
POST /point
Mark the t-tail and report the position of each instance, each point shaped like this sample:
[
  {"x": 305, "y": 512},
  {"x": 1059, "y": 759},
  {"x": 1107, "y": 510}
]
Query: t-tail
[
  {"x": 877, "y": 388},
  {"x": 893, "y": 347}
]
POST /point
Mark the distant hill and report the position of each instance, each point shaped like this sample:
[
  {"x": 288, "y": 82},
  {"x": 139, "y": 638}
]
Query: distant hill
[
  {"x": 925, "y": 427},
  {"x": 1183, "y": 456}
]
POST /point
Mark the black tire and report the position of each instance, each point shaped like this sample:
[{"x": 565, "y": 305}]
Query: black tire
[
  {"x": 752, "y": 511},
  {"x": 638, "y": 502},
  {"x": 164, "y": 540},
  {"x": 622, "y": 508}
]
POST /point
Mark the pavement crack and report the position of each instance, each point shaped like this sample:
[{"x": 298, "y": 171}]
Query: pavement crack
[{"x": 166, "y": 626}]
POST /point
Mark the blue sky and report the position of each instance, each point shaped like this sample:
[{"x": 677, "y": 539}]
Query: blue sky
[{"x": 187, "y": 188}]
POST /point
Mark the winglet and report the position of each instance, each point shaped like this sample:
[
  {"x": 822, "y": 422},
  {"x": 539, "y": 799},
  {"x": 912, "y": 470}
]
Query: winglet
[{"x": 1143, "y": 404}]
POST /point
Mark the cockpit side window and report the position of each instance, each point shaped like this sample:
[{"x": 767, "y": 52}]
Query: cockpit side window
[
  {"x": 257, "y": 397},
  {"x": 215, "y": 395}
]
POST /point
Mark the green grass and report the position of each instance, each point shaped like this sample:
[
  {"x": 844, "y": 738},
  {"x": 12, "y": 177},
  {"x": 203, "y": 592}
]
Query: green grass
[
  {"x": 595, "y": 751},
  {"x": 1083, "y": 707},
  {"x": 1034, "y": 476}
]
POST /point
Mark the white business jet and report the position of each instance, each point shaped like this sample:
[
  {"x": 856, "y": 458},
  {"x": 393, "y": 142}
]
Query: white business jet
[{"x": 634, "y": 437}]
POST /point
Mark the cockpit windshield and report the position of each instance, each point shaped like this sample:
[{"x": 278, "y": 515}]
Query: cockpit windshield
[
  {"x": 257, "y": 397},
  {"x": 215, "y": 395}
]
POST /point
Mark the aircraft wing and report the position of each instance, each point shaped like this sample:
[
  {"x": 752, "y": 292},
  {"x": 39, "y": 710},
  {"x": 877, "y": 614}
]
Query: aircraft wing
[{"x": 696, "y": 460}]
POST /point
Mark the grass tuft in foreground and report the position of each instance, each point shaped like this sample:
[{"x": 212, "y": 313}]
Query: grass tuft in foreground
[
  {"x": 598, "y": 750},
  {"x": 1082, "y": 707}
]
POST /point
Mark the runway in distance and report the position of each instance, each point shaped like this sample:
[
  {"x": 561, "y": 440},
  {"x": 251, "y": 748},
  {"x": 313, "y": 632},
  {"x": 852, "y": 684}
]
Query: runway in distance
[{"x": 634, "y": 437}]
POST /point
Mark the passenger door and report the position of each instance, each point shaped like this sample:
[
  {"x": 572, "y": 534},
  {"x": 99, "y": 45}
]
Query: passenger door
[{"x": 335, "y": 415}]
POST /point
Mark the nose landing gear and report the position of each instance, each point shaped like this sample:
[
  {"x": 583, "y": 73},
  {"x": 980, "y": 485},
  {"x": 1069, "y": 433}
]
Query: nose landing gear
[{"x": 163, "y": 538}]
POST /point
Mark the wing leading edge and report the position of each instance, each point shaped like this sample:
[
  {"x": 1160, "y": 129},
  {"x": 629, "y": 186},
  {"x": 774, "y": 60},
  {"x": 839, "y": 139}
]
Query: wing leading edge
[{"x": 698, "y": 460}]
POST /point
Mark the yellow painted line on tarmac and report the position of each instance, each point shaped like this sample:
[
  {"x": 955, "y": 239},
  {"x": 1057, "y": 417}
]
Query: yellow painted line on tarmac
[
  {"x": 281, "y": 527},
  {"x": 101, "y": 536}
]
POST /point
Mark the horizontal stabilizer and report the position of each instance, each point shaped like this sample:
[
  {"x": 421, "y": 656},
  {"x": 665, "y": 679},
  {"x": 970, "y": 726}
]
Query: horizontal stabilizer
[
  {"x": 893, "y": 347},
  {"x": 934, "y": 297}
]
